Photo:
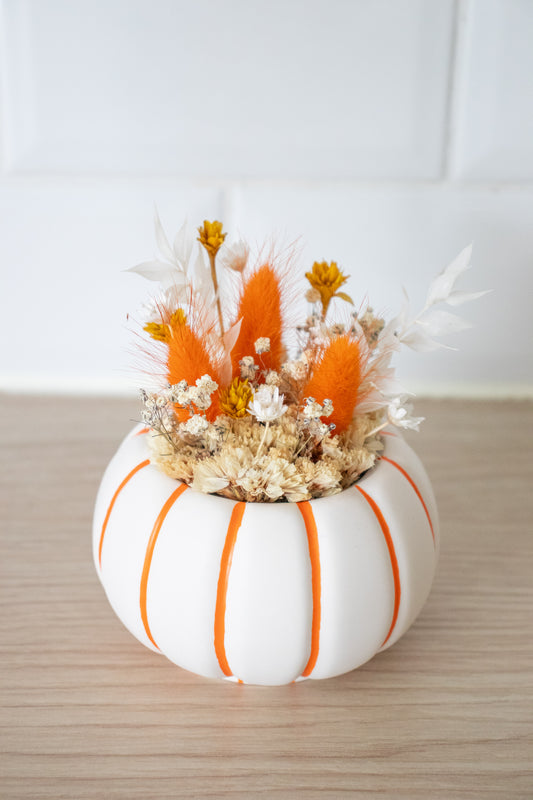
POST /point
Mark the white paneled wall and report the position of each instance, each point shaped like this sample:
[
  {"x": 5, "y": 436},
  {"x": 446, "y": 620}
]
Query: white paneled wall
[
  {"x": 387, "y": 134},
  {"x": 250, "y": 90},
  {"x": 496, "y": 120}
]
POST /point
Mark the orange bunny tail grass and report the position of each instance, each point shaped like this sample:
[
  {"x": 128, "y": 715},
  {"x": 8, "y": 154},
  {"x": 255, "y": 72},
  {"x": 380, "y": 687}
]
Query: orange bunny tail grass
[
  {"x": 260, "y": 308},
  {"x": 337, "y": 376},
  {"x": 189, "y": 359},
  {"x": 184, "y": 348}
]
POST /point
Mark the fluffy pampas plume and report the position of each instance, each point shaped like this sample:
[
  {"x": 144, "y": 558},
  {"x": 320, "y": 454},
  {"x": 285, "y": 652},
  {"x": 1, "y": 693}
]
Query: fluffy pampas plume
[
  {"x": 260, "y": 308},
  {"x": 336, "y": 376}
]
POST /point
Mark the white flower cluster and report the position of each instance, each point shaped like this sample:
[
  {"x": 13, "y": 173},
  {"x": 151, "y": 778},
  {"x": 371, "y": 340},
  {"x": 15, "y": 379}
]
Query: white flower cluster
[
  {"x": 297, "y": 369},
  {"x": 313, "y": 410},
  {"x": 248, "y": 368},
  {"x": 198, "y": 395},
  {"x": 312, "y": 413},
  {"x": 262, "y": 345},
  {"x": 273, "y": 378},
  {"x": 195, "y": 425},
  {"x": 157, "y": 412}
]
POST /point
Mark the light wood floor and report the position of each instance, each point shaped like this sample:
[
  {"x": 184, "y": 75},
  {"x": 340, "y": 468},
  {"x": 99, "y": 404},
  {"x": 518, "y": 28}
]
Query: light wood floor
[{"x": 87, "y": 712}]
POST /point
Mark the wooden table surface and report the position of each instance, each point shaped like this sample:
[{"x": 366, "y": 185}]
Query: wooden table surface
[{"x": 87, "y": 712}]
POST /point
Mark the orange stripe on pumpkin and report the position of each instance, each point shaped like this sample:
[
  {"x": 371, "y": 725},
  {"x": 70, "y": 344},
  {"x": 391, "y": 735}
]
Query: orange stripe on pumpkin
[
  {"x": 392, "y": 555},
  {"x": 140, "y": 433},
  {"x": 149, "y": 553},
  {"x": 415, "y": 487},
  {"x": 113, "y": 501},
  {"x": 314, "y": 555},
  {"x": 222, "y": 587}
]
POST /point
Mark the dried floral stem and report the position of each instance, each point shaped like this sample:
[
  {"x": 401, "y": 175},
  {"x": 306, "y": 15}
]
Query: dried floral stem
[
  {"x": 377, "y": 429},
  {"x": 261, "y": 443},
  {"x": 302, "y": 446},
  {"x": 212, "y": 259}
]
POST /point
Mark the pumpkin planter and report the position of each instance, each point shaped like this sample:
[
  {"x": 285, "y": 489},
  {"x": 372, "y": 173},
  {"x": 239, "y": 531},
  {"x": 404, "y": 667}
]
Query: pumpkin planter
[
  {"x": 266, "y": 593},
  {"x": 267, "y": 522}
]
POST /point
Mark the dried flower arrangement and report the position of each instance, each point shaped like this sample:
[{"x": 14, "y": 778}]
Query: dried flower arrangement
[{"x": 234, "y": 414}]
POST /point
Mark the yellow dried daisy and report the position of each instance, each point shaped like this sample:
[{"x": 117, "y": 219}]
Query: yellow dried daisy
[
  {"x": 178, "y": 318},
  {"x": 211, "y": 236},
  {"x": 162, "y": 332},
  {"x": 235, "y": 398},
  {"x": 326, "y": 278},
  {"x": 158, "y": 331}
]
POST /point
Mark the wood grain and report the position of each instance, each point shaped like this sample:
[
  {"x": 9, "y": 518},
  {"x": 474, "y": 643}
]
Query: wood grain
[{"x": 87, "y": 712}]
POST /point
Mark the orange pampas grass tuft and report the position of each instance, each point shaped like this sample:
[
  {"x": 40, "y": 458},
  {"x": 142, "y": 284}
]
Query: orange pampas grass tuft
[
  {"x": 337, "y": 376},
  {"x": 190, "y": 352},
  {"x": 260, "y": 310},
  {"x": 189, "y": 359}
]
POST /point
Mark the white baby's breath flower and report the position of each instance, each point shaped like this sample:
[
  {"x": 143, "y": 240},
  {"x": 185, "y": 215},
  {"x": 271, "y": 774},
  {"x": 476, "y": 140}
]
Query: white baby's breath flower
[
  {"x": 273, "y": 378},
  {"x": 148, "y": 399},
  {"x": 180, "y": 393},
  {"x": 267, "y": 404},
  {"x": 196, "y": 425},
  {"x": 200, "y": 398},
  {"x": 318, "y": 429},
  {"x": 200, "y": 394},
  {"x": 312, "y": 409},
  {"x": 183, "y": 398},
  {"x": 248, "y": 368},
  {"x": 297, "y": 370},
  {"x": 262, "y": 345},
  {"x": 327, "y": 408},
  {"x": 207, "y": 384},
  {"x": 399, "y": 414}
]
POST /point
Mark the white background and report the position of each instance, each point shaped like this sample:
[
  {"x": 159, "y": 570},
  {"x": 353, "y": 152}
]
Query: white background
[{"x": 387, "y": 134}]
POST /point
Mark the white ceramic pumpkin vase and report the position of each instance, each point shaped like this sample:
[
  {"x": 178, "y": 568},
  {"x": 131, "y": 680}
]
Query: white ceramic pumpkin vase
[{"x": 266, "y": 593}]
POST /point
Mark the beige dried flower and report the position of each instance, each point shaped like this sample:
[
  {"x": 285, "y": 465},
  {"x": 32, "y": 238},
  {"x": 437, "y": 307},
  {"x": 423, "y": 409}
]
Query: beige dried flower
[
  {"x": 326, "y": 479},
  {"x": 311, "y": 409},
  {"x": 273, "y": 378},
  {"x": 312, "y": 295},
  {"x": 195, "y": 425},
  {"x": 293, "y": 457},
  {"x": 248, "y": 368},
  {"x": 209, "y": 477},
  {"x": 372, "y": 326},
  {"x": 262, "y": 345},
  {"x": 297, "y": 369}
]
